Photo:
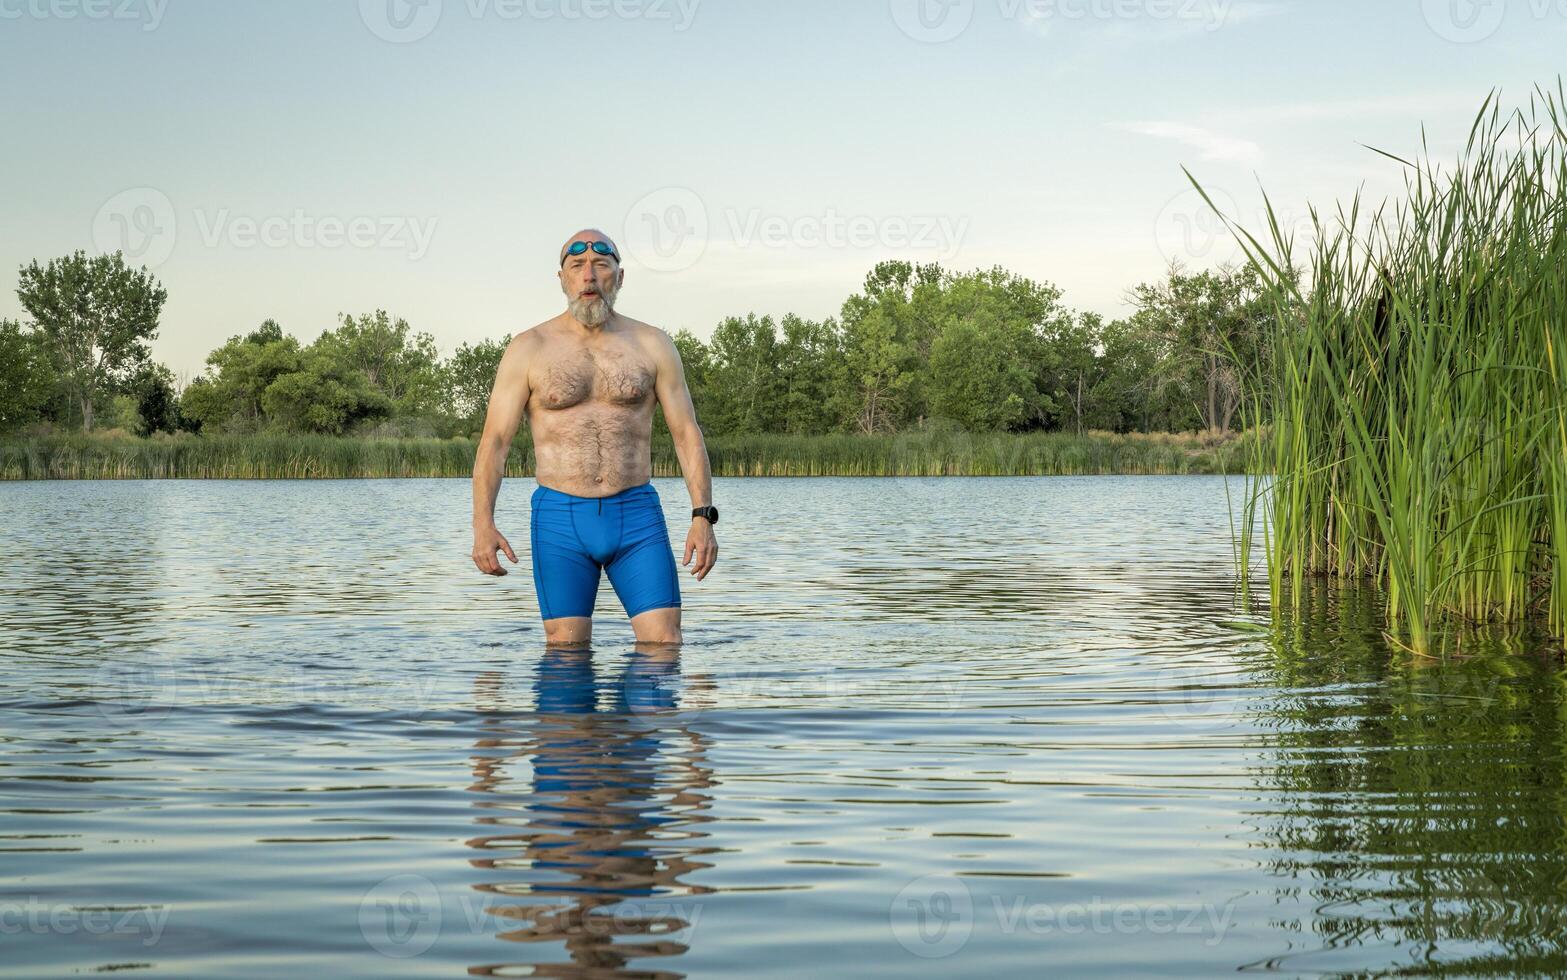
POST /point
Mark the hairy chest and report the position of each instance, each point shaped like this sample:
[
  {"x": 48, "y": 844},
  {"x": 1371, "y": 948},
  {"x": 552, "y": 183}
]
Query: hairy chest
[{"x": 587, "y": 376}]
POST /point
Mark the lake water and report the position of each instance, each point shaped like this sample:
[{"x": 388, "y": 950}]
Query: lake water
[{"x": 920, "y": 727}]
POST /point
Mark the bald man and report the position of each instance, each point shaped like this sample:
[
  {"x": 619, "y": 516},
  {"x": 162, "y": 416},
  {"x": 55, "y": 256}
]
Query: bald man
[{"x": 588, "y": 380}]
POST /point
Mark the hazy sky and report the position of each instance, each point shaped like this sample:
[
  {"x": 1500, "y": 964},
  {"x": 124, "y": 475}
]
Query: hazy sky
[{"x": 296, "y": 159}]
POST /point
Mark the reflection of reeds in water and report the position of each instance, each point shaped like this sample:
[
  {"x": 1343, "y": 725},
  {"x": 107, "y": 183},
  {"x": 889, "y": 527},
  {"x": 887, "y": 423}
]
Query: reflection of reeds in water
[
  {"x": 1418, "y": 388},
  {"x": 608, "y": 825},
  {"x": 1411, "y": 803}
]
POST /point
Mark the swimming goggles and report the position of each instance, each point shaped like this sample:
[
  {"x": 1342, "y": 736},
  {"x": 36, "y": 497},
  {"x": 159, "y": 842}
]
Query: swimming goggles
[{"x": 601, "y": 248}]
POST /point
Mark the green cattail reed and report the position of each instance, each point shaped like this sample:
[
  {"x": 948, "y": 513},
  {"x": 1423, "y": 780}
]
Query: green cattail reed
[{"x": 1416, "y": 391}]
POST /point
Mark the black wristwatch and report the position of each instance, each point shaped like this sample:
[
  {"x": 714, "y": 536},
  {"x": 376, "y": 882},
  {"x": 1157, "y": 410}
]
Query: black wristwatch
[{"x": 711, "y": 513}]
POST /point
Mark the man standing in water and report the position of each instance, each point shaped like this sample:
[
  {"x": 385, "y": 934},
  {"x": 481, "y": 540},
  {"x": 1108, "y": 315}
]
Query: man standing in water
[{"x": 588, "y": 380}]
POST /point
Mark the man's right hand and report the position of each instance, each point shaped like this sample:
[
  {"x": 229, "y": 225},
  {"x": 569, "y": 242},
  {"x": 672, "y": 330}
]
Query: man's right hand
[{"x": 486, "y": 542}]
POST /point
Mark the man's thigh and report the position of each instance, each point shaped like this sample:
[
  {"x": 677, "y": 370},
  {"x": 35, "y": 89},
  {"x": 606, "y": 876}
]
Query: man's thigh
[{"x": 565, "y": 577}]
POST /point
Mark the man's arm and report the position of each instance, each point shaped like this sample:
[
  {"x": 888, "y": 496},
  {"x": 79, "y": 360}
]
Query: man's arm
[
  {"x": 508, "y": 399},
  {"x": 690, "y": 447}
]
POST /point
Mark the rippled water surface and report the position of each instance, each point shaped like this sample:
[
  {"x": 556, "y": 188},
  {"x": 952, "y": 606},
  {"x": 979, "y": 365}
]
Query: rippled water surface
[{"x": 920, "y": 727}]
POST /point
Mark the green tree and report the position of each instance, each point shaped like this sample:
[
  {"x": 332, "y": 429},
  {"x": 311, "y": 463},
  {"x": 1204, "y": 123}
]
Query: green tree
[
  {"x": 744, "y": 387},
  {"x": 26, "y": 376},
  {"x": 888, "y": 332},
  {"x": 1200, "y": 326},
  {"x": 157, "y": 404},
  {"x": 96, "y": 315},
  {"x": 229, "y": 397},
  {"x": 1078, "y": 368},
  {"x": 1001, "y": 340},
  {"x": 470, "y": 377},
  {"x": 696, "y": 361},
  {"x": 981, "y": 374},
  {"x": 325, "y": 395},
  {"x": 401, "y": 365},
  {"x": 811, "y": 371},
  {"x": 880, "y": 370}
]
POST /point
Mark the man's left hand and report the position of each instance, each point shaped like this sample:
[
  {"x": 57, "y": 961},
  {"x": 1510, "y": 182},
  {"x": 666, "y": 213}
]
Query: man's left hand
[{"x": 702, "y": 543}]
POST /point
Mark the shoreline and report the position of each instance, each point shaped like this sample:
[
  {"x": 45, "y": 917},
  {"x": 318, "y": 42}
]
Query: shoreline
[{"x": 911, "y": 454}]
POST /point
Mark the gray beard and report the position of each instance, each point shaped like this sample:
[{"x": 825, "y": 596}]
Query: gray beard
[{"x": 592, "y": 312}]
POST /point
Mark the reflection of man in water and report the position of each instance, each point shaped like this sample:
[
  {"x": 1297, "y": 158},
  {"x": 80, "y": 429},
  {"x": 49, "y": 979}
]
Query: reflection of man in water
[
  {"x": 588, "y": 380},
  {"x": 608, "y": 824}
]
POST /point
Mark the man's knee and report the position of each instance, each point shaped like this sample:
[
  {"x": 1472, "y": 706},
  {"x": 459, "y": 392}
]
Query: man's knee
[
  {"x": 660, "y": 626},
  {"x": 568, "y": 632}
]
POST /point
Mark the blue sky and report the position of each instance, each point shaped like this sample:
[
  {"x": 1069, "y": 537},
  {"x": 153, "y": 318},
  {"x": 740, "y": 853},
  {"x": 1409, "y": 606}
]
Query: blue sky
[{"x": 296, "y": 159}]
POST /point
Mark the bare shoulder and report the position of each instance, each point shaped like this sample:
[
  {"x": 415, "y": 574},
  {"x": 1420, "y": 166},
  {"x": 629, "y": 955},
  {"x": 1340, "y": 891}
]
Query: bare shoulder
[
  {"x": 529, "y": 345},
  {"x": 532, "y": 338},
  {"x": 655, "y": 342},
  {"x": 520, "y": 356}
]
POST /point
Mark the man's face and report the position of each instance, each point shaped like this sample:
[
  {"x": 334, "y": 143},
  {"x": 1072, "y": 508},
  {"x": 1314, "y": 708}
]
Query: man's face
[{"x": 591, "y": 283}]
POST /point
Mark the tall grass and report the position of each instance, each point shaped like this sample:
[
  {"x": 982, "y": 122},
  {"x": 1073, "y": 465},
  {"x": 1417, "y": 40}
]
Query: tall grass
[
  {"x": 912, "y": 454},
  {"x": 1418, "y": 392}
]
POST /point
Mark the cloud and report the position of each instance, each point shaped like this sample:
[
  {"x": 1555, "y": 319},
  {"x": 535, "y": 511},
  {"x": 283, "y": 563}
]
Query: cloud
[
  {"x": 1423, "y": 106},
  {"x": 1212, "y": 146}
]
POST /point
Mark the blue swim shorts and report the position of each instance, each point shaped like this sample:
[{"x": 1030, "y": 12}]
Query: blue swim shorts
[{"x": 575, "y": 538}]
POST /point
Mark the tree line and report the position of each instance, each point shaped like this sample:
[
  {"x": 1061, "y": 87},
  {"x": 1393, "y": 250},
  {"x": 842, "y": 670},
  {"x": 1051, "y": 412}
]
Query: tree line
[{"x": 918, "y": 347}]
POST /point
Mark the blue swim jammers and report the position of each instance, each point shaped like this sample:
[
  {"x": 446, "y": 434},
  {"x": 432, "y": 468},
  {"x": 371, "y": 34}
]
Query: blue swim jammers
[{"x": 574, "y": 538}]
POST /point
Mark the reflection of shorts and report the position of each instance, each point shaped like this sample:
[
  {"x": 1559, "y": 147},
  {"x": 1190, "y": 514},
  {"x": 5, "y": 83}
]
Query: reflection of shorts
[{"x": 575, "y": 537}]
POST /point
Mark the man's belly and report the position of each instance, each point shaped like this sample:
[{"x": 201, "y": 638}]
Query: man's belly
[{"x": 593, "y": 454}]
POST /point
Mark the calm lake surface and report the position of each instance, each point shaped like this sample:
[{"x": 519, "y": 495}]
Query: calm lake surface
[{"x": 943, "y": 727}]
